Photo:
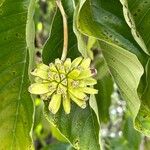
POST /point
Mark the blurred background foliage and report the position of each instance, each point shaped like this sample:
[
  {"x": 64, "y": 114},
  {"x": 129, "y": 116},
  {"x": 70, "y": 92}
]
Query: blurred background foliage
[{"x": 116, "y": 123}]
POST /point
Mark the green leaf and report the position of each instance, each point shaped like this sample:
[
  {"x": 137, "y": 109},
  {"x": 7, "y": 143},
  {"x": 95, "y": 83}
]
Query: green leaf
[
  {"x": 80, "y": 127},
  {"x": 146, "y": 94},
  {"x": 38, "y": 112},
  {"x": 98, "y": 19},
  {"x": 144, "y": 113},
  {"x": 105, "y": 87},
  {"x": 16, "y": 106},
  {"x": 137, "y": 16},
  {"x": 127, "y": 71},
  {"x": 81, "y": 39},
  {"x": 57, "y": 134},
  {"x": 103, "y": 21}
]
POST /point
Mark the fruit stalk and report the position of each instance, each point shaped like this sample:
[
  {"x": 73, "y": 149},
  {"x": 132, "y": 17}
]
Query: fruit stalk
[{"x": 65, "y": 27}]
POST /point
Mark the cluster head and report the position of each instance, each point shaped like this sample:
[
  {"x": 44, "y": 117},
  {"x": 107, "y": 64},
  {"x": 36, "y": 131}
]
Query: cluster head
[{"x": 64, "y": 82}]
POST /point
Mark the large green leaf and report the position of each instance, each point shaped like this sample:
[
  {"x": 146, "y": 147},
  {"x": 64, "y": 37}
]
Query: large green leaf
[
  {"x": 16, "y": 106},
  {"x": 126, "y": 71},
  {"x": 80, "y": 127},
  {"x": 106, "y": 23},
  {"x": 137, "y": 15}
]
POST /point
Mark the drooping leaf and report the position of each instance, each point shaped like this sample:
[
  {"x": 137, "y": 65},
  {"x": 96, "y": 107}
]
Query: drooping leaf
[
  {"x": 144, "y": 113},
  {"x": 137, "y": 16},
  {"x": 126, "y": 71},
  {"x": 98, "y": 19},
  {"x": 16, "y": 106}
]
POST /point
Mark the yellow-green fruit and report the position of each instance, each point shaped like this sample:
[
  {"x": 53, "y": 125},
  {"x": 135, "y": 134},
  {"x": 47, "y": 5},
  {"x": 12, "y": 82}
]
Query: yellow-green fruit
[{"x": 64, "y": 81}]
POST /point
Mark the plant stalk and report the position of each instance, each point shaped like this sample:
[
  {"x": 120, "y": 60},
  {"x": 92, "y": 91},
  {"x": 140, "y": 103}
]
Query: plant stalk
[{"x": 65, "y": 27}]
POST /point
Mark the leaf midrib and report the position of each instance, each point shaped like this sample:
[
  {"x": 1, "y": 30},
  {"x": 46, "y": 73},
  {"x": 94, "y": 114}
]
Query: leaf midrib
[{"x": 18, "y": 101}]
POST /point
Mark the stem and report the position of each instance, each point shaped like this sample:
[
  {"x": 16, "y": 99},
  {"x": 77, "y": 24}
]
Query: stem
[{"x": 65, "y": 26}]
